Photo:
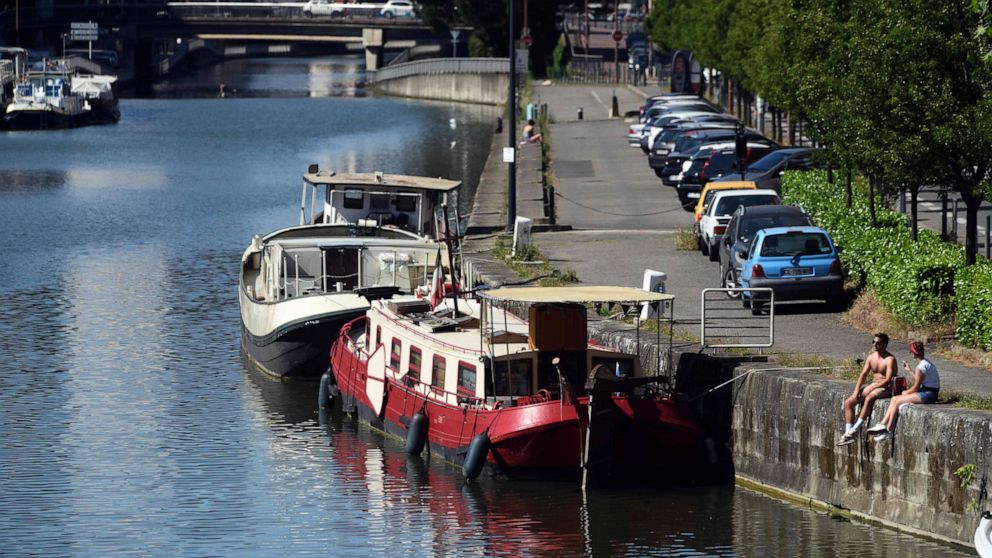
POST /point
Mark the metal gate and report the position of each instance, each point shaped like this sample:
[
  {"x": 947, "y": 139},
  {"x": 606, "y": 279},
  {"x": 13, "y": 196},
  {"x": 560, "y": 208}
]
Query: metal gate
[{"x": 726, "y": 322}]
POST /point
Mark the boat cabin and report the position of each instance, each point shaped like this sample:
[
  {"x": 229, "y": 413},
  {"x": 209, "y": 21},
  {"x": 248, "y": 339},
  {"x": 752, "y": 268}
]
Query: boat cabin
[
  {"x": 285, "y": 266},
  {"x": 406, "y": 202},
  {"x": 488, "y": 357}
]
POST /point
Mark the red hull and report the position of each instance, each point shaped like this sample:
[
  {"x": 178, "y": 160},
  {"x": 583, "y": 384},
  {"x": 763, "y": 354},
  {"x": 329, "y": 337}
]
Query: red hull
[{"x": 647, "y": 433}]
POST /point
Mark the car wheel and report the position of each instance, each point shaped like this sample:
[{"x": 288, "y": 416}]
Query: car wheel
[
  {"x": 657, "y": 172},
  {"x": 714, "y": 252},
  {"x": 730, "y": 282},
  {"x": 389, "y": 15},
  {"x": 704, "y": 246}
]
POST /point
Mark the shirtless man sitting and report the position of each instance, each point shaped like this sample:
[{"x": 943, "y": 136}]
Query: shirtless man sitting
[{"x": 882, "y": 365}]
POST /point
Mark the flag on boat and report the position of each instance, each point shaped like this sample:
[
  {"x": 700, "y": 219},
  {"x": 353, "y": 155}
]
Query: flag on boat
[{"x": 437, "y": 283}]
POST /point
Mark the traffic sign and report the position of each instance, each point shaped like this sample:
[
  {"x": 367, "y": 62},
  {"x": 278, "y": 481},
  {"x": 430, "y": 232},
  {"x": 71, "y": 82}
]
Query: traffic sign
[
  {"x": 84, "y": 31},
  {"x": 617, "y": 35}
]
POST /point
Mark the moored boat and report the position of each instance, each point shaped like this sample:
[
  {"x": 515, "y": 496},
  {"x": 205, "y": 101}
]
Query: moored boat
[
  {"x": 360, "y": 237},
  {"x": 47, "y": 97},
  {"x": 487, "y": 389}
]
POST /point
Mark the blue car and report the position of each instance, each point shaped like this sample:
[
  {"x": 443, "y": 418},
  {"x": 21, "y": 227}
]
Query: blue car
[{"x": 797, "y": 263}]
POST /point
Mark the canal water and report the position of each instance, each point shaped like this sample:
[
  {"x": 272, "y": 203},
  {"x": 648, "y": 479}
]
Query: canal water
[{"x": 129, "y": 424}]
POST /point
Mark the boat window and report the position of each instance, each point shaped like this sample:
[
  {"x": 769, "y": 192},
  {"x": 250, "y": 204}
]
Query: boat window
[
  {"x": 413, "y": 364},
  {"x": 378, "y": 337},
  {"x": 437, "y": 372},
  {"x": 619, "y": 366},
  {"x": 512, "y": 377},
  {"x": 354, "y": 199},
  {"x": 406, "y": 203},
  {"x": 394, "y": 355},
  {"x": 380, "y": 202},
  {"x": 466, "y": 379}
]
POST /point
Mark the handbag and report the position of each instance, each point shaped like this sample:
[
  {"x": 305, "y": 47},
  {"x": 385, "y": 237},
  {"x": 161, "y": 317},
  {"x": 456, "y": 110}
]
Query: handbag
[{"x": 898, "y": 385}]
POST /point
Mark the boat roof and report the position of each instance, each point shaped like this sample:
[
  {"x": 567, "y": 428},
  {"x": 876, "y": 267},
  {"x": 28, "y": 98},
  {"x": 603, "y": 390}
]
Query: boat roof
[
  {"x": 580, "y": 294},
  {"x": 381, "y": 180}
]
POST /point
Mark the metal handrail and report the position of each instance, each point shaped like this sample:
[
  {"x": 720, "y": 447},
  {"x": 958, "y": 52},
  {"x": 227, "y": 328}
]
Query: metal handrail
[{"x": 740, "y": 292}]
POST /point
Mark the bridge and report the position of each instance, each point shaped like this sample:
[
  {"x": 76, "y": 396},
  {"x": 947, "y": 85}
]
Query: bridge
[{"x": 158, "y": 37}]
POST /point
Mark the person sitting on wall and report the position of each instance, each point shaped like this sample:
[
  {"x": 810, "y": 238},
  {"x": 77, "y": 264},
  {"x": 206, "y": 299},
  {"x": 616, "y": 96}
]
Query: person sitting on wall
[
  {"x": 882, "y": 365},
  {"x": 530, "y": 134},
  {"x": 925, "y": 389}
]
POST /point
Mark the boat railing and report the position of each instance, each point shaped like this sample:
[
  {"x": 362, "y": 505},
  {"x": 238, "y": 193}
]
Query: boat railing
[
  {"x": 409, "y": 381},
  {"x": 403, "y": 325}
]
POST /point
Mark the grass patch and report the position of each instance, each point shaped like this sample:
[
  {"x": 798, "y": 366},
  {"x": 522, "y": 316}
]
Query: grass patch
[
  {"x": 867, "y": 314},
  {"x": 965, "y": 355},
  {"x": 685, "y": 239},
  {"x": 842, "y": 369},
  {"x": 966, "y": 400},
  {"x": 531, "y": 264}
]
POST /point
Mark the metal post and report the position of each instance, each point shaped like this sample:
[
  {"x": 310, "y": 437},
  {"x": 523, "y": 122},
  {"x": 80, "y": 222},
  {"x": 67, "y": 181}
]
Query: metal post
[
  {"x": 988, "y": 237},
  {"x": 511, "y": 179},
  {"x": 902, "y": 200},
  {"x": 943, "y": 215},
  {"x": 954, "y": 221}
]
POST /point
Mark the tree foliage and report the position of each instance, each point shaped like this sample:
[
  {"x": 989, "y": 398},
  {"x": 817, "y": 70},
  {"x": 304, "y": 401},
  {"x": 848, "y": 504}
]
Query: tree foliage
[{"x": 897, "y": 90}]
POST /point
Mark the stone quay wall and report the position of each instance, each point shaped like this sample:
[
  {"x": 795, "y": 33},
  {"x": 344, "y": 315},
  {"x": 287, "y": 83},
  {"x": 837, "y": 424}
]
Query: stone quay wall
[{"x": 466, "y": 80}]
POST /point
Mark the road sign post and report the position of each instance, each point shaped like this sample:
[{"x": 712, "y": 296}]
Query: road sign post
[
  {"x": 454, "y": 42},
  {"x": 87, "y": 31}
]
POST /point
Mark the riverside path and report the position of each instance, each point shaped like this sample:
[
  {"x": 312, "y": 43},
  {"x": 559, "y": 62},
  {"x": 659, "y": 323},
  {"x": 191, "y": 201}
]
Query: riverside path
[{"x": 625, "y": 221}]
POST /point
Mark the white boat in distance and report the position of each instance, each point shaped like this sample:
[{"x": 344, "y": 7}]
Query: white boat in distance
[
  {"x": 52, "y": 95},
  {"x": 361, "y": 237}
]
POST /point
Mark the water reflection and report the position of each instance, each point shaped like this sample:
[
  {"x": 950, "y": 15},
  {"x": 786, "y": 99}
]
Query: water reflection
[{"x": 29, "y": 181}]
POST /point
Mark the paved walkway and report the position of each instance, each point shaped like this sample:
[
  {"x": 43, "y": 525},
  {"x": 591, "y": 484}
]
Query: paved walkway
[{"x": 624, "y": 222}]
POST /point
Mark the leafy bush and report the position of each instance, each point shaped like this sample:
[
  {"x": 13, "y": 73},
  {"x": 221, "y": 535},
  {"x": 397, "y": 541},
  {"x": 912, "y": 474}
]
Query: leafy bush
[
  {"x": 973, "y": 288},
  {"x": 914, "y": 281}
]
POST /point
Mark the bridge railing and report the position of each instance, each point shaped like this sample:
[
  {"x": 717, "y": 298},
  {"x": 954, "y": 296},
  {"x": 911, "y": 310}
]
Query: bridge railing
[{"x": 442, "y": 66}]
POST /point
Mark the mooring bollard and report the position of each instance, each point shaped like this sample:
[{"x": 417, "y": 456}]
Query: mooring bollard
[{"x": 579, "y": 113}]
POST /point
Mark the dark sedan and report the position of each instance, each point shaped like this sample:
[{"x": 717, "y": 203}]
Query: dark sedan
[{"x": 767, "y": 171}]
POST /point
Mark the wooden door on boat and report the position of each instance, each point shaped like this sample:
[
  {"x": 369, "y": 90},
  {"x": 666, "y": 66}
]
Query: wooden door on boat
[{"x": 375, "y": 383}]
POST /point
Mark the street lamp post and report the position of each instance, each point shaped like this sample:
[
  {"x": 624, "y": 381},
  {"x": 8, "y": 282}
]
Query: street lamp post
[{"x": 511, "y": 100}]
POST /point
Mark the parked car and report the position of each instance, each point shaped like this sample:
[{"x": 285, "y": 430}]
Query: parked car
[
  {"x": 397, "y": 8},
  {"x": 665, "y": 97},
  {"x": 743, "y": 225},
  {"x": 713, "y": 187},
  {"x": 767, "y": 171},
  {"x": 683, "y": 104},
  {"x": 713, "y": 221},
  {"x": 680, "y": 120},
  {"x": 667, "y": 141},
  {"x": 797, "y": 263},
  {"x": 686, "y": 142},
  {"x": 718, "y": 160}
]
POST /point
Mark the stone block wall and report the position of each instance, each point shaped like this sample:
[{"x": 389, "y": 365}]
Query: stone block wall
[{"x": 784, "y": 429}]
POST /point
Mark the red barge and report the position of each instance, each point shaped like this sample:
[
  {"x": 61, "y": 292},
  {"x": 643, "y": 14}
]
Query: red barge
[{"x": 487, "y": 389}]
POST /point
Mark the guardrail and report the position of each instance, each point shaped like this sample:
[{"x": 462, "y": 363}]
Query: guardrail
[
  {"x": 437, "y": 66},
  {"x": 726, "y": 323}
]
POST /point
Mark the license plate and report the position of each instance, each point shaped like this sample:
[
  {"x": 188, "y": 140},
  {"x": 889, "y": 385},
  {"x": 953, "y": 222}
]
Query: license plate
[
  {"x": 692, "y": 195},
  {"x": 794, "y": 271}
]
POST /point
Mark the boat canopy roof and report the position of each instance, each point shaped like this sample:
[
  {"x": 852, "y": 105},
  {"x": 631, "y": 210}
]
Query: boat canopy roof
[
  {"x": 581, "y": 295},
  {"x": 380, "y": 180}
]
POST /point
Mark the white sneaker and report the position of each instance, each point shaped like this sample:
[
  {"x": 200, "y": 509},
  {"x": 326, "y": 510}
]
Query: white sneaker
[
  {"x": 883, "y": 437},
  {"x": 845, "y": 440},
  {"x": 877, "y": 429}
]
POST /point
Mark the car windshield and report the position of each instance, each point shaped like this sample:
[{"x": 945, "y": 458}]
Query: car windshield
[
  {"x": 769, "y": 161},
  {"x": 750, "y": 226},
  {"x": 795, "y": 243},
  {"x": 729, "y": 204}
]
